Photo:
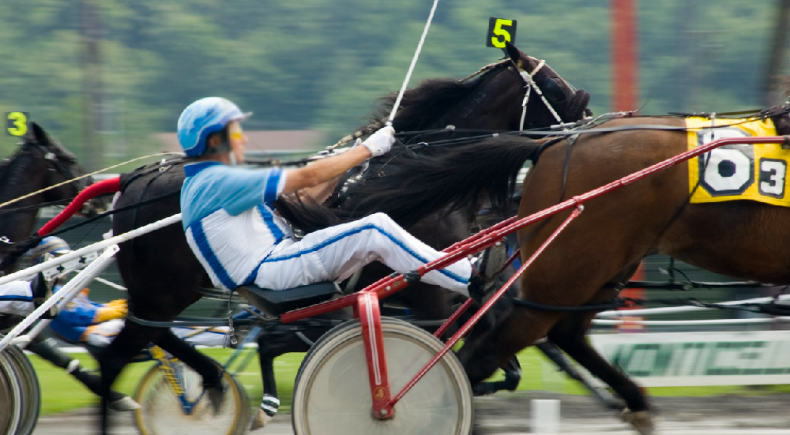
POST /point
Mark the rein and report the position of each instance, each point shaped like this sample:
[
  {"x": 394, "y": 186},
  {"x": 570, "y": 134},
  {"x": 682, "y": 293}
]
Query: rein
[
  {"x": 770, "y": 308},
  {"x": 81, "y": 177},
  {"x": 37, "y": 206}
]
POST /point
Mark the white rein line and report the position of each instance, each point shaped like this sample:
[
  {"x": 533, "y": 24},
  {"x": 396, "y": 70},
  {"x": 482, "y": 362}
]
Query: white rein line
[
  {"x": 530, "y": 84},
  {"x": 91, "y": 248},
  {"x": 413, "y": 63},
  {"x": 83, "y": 176}
]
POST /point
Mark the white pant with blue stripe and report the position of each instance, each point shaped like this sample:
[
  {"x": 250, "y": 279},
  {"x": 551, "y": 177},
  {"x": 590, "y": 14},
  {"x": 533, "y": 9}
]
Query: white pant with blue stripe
[
  {"x": 16, "y": 298},
  {"x": 335, "y": 253}
]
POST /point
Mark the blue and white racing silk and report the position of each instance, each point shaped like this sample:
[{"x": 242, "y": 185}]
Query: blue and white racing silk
[
  {"x": 229, "y": 221},
  {"x": 232, "y": 229}
]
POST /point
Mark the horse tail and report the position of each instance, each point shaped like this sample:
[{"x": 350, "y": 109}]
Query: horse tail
[
  {"x": 307, "y": 215},
  {"x": 445, "y": 178},
  {"x": 416, "y": 185}
]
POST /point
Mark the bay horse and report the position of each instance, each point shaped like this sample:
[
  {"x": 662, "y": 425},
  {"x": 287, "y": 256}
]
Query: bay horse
[
  {"x": 427, "y": 110},
  {"x": 162, "y": 275},
  {"x": 587, "y": 262}
]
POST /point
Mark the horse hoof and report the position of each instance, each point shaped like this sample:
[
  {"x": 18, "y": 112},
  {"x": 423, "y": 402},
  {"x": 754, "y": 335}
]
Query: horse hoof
[
  {"x": 125, "y": 403},
  {"x": 641, "y": 421},
  {"x": 261, "y": 419},
  {"x": 216, "y": 395}
]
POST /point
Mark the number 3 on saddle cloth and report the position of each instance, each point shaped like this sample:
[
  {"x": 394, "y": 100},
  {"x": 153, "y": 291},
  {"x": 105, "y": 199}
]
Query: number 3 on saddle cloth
[
  {"x": 95, "y": 324},
  {"x": 736, "y": 172}
]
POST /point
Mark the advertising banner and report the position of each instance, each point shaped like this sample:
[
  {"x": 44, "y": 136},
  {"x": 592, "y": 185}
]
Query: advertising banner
[{"x": 700, "y": 358}]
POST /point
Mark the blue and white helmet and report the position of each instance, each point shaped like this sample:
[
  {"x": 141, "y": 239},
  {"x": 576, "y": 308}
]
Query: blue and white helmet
[
  {"x": 203, "y": 117},
  {"x": 48, "y": 248}
]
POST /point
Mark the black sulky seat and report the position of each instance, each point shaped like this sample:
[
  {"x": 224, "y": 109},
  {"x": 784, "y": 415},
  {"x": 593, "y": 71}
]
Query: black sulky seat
[{"x": 276, "y": 302}]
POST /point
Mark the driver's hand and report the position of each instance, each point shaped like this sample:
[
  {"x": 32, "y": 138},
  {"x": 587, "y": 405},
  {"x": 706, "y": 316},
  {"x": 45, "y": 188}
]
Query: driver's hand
[{"x": 380, "y": 142}]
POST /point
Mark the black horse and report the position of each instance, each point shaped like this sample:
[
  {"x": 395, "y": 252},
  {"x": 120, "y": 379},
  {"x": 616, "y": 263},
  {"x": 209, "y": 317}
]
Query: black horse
[
  {"x": 40, "y": 162},
  {"x": 163, "y": 276}
]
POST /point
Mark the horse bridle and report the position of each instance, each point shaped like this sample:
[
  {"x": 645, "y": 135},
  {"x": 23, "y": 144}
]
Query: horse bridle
[
  {"x": 56, "y": 159},
  {"x": 529, "y": 84}
]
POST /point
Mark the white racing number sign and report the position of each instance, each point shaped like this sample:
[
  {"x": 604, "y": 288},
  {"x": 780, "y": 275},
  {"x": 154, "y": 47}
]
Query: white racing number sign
[
  {"x": 728, "y": 170},
  {"x": 737, "y": 172}
]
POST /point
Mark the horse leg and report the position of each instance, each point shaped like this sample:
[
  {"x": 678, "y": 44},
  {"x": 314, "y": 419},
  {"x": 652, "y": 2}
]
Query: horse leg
[
  {"x": 270, "y": 403},
  {"x": 272, "y": 343},
  {"x": 205, "y": 366},
  {"x": 512, "y": 378},
  {"x": 278, "y": 340},
  {"x": 553, "y": 352},
  {"x": 112, "y": 359},
  {"x": 45, "y": 348},
  {"x": 570, "y": 335},
  {"x": 521, "y": 327}
]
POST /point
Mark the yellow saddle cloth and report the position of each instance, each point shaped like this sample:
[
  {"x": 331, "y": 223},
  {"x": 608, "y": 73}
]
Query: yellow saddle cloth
[{"x": 737, "y": 172}]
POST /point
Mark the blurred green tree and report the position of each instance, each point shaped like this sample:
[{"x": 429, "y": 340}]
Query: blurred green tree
[{"x": 321, "y": 65}]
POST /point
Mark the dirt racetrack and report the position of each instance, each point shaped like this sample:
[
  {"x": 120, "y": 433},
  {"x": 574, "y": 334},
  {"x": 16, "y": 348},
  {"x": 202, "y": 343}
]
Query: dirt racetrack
[{"x": 508, "y": 413}]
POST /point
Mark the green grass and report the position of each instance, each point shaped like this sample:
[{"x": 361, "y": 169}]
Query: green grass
[{"x": 60, "y": 392}]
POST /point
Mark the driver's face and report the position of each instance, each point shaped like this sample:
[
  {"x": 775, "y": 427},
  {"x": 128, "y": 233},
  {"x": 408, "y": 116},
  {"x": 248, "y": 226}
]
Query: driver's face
[{"x": 237, "y": 140}]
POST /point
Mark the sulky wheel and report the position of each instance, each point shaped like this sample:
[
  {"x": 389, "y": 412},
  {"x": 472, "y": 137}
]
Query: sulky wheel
[
  {"x": 332, "y": 392},
  {"x": 162, "y": 412},
  {"x": 10, "y": 395},
  {"x": 29, "y": 389}
]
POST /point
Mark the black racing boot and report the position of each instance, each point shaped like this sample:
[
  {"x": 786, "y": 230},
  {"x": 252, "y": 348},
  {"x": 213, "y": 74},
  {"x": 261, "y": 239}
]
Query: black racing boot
[
  {"x": 48, "y": 350},
  {"x": 42, "y": 291},
  {"x": 487, "y": 267}
]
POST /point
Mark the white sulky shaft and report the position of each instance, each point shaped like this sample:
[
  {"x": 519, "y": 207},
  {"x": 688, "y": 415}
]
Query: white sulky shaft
[
  {"x": 91, "y": 248},
  {"x": 67, "y": 293}
]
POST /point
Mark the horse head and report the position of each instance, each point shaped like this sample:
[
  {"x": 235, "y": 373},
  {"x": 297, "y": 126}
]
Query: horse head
[
  {"x": 569, "y": 103},
  {"x": 491, "y": 99},
  {"x": 38, "y": 163},
  {"x": 63, "y": 166},
  {"x": 60, "y": 164}
]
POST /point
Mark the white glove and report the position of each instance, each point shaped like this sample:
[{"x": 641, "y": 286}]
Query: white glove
[{"x": 380, "y": 142}]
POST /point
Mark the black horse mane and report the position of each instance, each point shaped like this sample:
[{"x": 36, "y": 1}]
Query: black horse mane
[
  {"x": 419, "y": 105},
  {"x": 11, "y": 171},
  {"x": 424, "y": 184}
]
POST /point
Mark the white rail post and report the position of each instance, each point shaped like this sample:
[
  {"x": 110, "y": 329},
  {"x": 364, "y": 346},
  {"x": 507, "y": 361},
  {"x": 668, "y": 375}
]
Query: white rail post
[{"x": 545, "y": 416}]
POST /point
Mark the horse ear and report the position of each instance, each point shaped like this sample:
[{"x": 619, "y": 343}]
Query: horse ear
[
  {"x": 514, "y": 54},
  {"x": 38, "y": 134}
]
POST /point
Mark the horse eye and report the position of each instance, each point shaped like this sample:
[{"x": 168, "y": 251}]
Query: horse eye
[{"x": 553, "y": 89}]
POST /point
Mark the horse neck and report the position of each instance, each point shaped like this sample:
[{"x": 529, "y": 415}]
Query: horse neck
[
  {"x": 488, "y": 103},
  {"x": 24, "y": 174}
]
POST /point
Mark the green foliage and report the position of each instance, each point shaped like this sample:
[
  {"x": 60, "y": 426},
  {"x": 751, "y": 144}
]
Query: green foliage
[{"x": 322, "y": 65}]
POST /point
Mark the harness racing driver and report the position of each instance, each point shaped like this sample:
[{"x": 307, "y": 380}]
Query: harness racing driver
[{"x": 232, "y": 228}]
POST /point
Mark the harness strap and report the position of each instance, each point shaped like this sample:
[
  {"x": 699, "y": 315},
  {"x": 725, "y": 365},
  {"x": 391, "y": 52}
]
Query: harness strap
[{"x": 530, "y": 83}]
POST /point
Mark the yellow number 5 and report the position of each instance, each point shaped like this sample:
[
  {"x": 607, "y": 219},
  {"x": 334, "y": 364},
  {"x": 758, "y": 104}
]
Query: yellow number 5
[
  {"x": 18, "y": 124},
  {"x": 499, "y": 31}
]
